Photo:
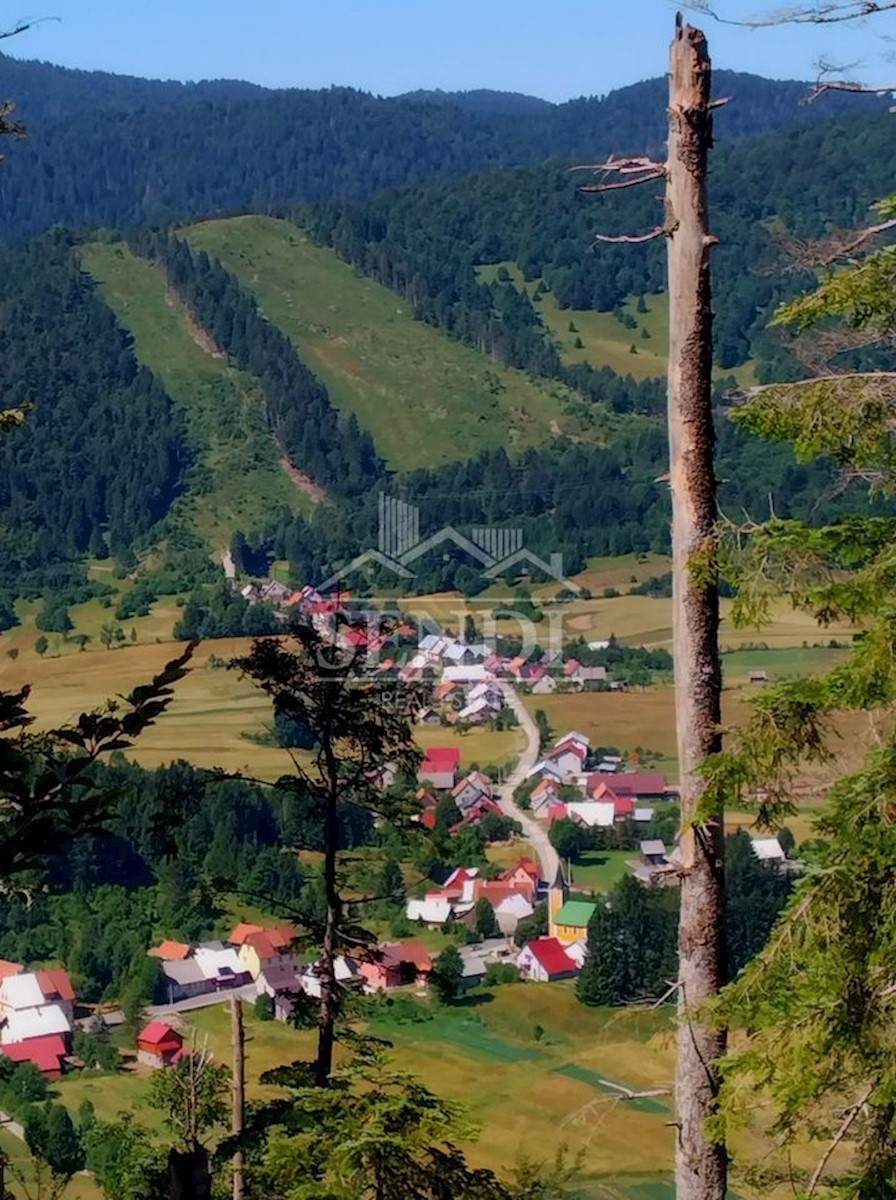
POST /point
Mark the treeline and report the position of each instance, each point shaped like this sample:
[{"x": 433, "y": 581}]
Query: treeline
[
  {"x": 569, "y": 499},
  {"x": 111, "y": 151},
  {"x": 325, "y": 444},
  {"x": 632, "y": 939},
  {"x": 426, "y": 243},
  {"x": 103, "y": 451}
]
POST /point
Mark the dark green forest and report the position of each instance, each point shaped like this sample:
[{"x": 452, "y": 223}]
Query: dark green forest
[
  {"x": 112, "y": 151},
  {"x": 426, "y": 243},
  {"x": 102, "y": 452}
]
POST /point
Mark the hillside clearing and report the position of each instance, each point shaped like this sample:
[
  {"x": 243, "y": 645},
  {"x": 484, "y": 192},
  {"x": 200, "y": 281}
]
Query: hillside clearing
[
  {"x": 425, "y": 398},
  {"x": 601, "y": 339},
  {"x": 243, "y": 477}
]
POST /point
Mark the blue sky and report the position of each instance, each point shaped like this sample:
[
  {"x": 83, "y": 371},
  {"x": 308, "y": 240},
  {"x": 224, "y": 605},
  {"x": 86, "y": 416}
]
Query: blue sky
[{"x": 551, "y": 48}]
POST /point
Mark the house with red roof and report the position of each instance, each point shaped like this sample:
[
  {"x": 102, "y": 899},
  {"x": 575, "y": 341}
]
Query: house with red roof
[
  {"x": 544, "y": 793},
  {"x": 568, "y": 757},
  {"x": 545, "y": 960},
  {"x": 158, "y": 1045},
  {"x": 557, "y": 812},
  {"x": 47, "y": 1052},
  {"x": 56, "y": 985},
  {"x": 10, "y": 968},
  {"x": 639, "y": 785},
  {"x": 523, "y": 876},
  {"x": 260, "y": 947},
  {"x": 396, "y": 964},
  {"x": 440, "y": 767},
  {"x": 170, "y": 951}
]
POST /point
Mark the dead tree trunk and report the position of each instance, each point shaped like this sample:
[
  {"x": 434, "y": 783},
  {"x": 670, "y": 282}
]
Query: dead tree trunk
[
  {"x": 238, "y": 1115},
  {"x": 701, "y": 1164},
  {"x": 326, "y": 1033}
]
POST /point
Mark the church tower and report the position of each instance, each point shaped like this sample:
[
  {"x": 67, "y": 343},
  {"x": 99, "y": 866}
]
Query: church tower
[{"x": 557, "y": 893}]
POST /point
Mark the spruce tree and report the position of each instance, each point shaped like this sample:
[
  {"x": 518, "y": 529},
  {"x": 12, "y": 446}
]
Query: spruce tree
[{"x": 602, "y": 978}]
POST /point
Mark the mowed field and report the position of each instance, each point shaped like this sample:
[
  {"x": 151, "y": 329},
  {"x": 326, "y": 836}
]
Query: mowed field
[
  {"x": 529, "y": 1094},
  {"x": 425, "y": 398},
  {"x": 212, "y": 712},
  {"x": 223, "y": 407}
]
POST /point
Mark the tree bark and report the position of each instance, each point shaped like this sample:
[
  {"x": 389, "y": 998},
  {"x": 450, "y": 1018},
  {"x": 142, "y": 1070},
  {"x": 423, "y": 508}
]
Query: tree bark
[
  {"x": 701, "y": 1163},
  {"x": 326, "y": 1034},
  {"x": 238, "y": 1114}
]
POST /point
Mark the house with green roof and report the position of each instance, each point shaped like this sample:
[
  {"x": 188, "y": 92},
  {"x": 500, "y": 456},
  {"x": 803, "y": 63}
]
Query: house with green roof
[{"x": 570, "y": 921}]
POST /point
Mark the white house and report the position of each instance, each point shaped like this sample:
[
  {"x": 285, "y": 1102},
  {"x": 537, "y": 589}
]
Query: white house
[
  {"x": 479, "y": 710},
  {"x": 42, "y": 1021},
  {"x": 592, "y": 813},
  {"x": 220, "y": 965},
  {"x": 431, "y": 911},
  {"x": 474, "y": 673},
  {"x": 511, "y": 911},
  {"x": 472, "y": 789},
  {"x": 544, "y": 959},
  {"x": 768, "y": 850}
]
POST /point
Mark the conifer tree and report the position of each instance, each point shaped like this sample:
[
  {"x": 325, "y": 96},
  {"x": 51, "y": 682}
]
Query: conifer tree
[
  {"x": 358, "y": 725},
  {"x": 818, "y": 1004}
]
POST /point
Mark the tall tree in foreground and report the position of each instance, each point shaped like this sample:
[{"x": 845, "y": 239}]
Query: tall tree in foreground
[
  {"x": 357, "y": 724},
  {"x": 818, "y": 1005},
  {"x": 701, "y": 1159}
]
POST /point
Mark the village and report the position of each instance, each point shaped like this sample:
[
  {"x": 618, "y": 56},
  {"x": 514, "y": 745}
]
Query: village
[
  {"x": 39, "y": 1012},
  {"x": 537, "y": 915}
]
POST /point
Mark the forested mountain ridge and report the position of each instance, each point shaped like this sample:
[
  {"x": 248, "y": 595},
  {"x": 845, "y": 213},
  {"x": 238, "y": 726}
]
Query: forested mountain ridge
[
  {"x": 106, "y": 150},
  {"x": 426, "y": 243},
  {"x": 83, "y": 496}
]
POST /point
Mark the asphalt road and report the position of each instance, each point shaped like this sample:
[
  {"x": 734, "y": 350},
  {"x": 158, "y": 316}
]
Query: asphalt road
[{"x": 534, "y": 831}]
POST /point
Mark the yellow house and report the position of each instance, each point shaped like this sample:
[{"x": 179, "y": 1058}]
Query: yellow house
[
  {"x": 569, "y": 921},
  {"x": 259, "y": 948}
]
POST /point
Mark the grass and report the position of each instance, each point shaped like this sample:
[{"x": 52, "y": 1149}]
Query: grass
[
  {"x": 605, "y": 341},
  {"x": 525, "y": 1091},
  {"x": 425, "y": 398},
  {"x": 487, "y": 1056},
  {"x": 601, "y": 869},
  {"x": 243, "y": 481}
]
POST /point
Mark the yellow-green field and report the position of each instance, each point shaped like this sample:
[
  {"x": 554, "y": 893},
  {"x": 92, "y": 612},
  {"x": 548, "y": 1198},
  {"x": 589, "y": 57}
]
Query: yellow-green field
[
  {"x": 486, "y": 1054},
  {"x": 425, "y": 398},
  {"x": 602, "y": 340},
  {"x": 212, "y": 711}
]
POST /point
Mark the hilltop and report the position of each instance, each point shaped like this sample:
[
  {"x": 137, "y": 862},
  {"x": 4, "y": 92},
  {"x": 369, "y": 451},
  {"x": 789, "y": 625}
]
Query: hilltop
[{"x": 107, "y": 150}]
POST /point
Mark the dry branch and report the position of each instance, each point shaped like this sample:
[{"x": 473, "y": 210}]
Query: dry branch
[
  {"x": 828, "y": 12},
  {"x": 659, "y": 232},
  {"x": 846, "y": 1123}
]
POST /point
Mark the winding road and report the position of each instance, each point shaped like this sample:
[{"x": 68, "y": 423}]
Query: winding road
[{"x": 534, "y": 831}]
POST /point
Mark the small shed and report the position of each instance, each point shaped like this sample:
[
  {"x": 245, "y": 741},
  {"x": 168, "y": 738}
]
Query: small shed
[{"x": 158, "y": 1045}]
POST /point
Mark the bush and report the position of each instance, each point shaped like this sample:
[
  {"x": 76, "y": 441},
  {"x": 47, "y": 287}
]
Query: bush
[
  {"x": 501, "y": 972},
  {"x": 264, "y": 1007}
]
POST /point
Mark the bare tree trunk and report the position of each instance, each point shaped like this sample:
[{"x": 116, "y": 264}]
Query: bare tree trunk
[
  {"x": 238, "y": 1115},
  {"x": 326, "y": 1034},
  {"x": 701, "y": 1164}
]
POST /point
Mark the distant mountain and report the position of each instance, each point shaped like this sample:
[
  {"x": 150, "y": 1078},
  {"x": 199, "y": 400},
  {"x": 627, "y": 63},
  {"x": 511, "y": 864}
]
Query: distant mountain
[
  {"x": 482, "y": 100},
  {"x": 107, "y": 150}
]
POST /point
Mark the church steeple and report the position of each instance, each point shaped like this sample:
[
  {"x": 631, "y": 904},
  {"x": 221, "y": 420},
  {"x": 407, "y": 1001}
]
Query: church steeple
[{"x": 557, "y": 893}]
